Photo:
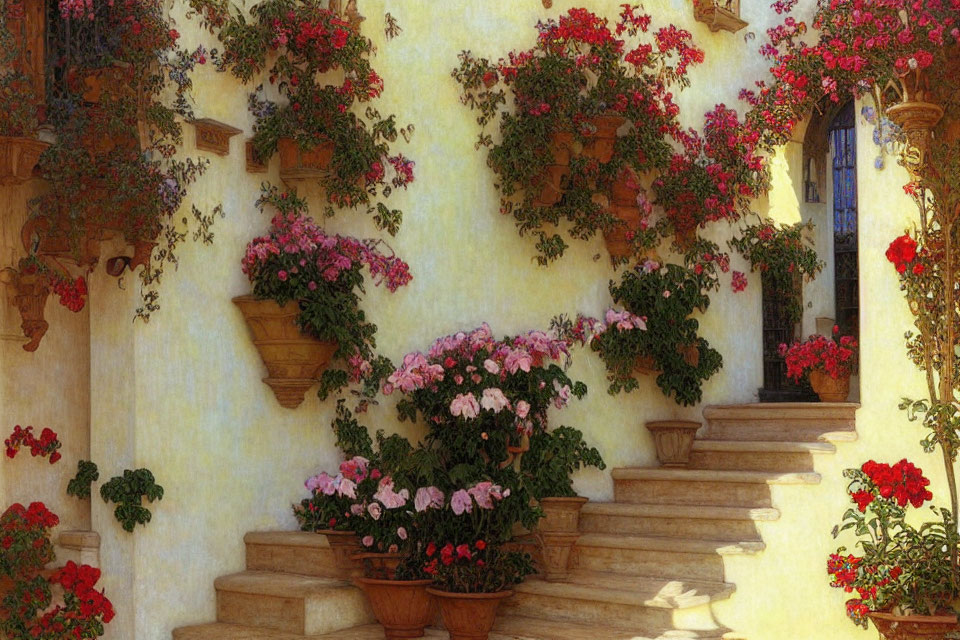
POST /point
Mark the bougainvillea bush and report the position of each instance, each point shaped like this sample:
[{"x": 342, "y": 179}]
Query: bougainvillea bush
[
  {"x": 584, "y": 78},
  {"x": 25, "y": 550},
  {"x": 834, "y": 356},
  {"x": 320, "y": 65},
  {"x": 896, "y": 567},
  {"x": 296, "y": 260}
]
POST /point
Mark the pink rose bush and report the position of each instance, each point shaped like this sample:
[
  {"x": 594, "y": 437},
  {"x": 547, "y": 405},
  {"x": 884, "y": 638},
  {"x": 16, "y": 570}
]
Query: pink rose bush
[{"x": 296, "y": 260}]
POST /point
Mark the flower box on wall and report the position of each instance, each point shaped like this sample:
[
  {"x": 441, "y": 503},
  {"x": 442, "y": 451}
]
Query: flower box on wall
[
  {"x": 303, "y": 164},
  {"x": 718, "y": 15},
  {"x": 18, "y": 158}
]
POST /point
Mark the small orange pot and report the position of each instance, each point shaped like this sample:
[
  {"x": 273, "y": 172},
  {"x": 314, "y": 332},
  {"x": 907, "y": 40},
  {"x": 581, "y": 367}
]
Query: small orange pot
[
  {"x": 403, "y": 607},
  {"x": 830, "y": 389},
  {"x": 469, "y": 616}
]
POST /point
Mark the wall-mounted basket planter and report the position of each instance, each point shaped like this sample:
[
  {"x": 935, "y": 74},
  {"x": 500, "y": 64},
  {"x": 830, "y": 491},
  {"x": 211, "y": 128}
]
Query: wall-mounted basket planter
[
  {"x": 298, "y": 164},
  {"x": 294, "y": 361},
  {"x": 719, "y": 15},
  {"x": 603, "y": 141},
  {"x": 18, "y": 158}
]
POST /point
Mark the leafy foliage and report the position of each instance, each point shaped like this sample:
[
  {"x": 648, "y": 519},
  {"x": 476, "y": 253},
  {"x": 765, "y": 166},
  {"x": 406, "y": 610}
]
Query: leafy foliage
[
  {"x": 79, "y": 485},
  {"x": 128, "y": 491},
  {"x": 553, "y": 457}
]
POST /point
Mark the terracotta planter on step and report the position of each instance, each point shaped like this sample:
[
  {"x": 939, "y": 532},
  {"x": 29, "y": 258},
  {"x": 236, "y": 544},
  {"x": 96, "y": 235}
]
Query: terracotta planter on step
[
  {"x": 294, "y": 361},
  {"x": 558, "y": 532},
  {"x": 18, "y": 158},
  {"x": 403, "y": 607},
  {"x": 828, "y": 389},
  {"x": 345, "y": 545},
  {"x": 674, "y": 440},
  {"x": 469, "y": 616},
  {"x": 601, "y": 144},
  {"x": 303, "y": 164},
  {"x": 894, "y": 627}
]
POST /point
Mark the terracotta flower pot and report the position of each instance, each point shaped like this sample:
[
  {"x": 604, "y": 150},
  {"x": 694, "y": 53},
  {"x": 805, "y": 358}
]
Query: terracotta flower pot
[
  {"x": 403, "y": 607},
  {"x": 558, "y": 532},
  {"x": 550, "y": 185},
  {"x": 18, "y": 158},
  {"x": 829, "y": 389},
  {"x": 647, "y": 366},
  {"x": 294, "y": 360},
  {"x": 602, "y": 143},
  {"x": 674, "y": 440},
  {"x": 618, "y": 239},
  {"x": 894, "y": 627},
  {"x": 345, "y": 545},
  {"x": 303, "y": 164},
  {"x": 381, "y": 566},
  {"x": 469, "y": 616}
]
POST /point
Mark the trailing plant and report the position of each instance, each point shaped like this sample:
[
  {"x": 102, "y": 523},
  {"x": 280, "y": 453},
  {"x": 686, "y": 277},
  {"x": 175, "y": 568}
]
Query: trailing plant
[
  {"x": 20, "y": 107},
  {"x": 585, "y": 74},
  {"x": 87, "y": 474},
  {"x": 297, "y": 261},
  {"x": 120, "y": 84},
  {"x": 44, "y": 446},
  {"x": 552, "y": 459},
  {"x": 784, "y": 256},
  {"x": 902, "y": 568},
  {"x": 25, "y": 550},
  {"x": 128, "y": 491},
  {"x": 319, "y": 64}
]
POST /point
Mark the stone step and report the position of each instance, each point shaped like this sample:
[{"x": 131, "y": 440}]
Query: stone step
[
  {"x": 675, "y": 520},
  {"x": 292, "y": 603},
  {"x": 701, "y": 486},
  {"x": 507, "y": 628},
  {"x": 298, "y": 552},
  {"x": 648, "y": 606},
  {"x": 756, "y": 455},
  {"x": 671, "y": 558},
  {"x": 788, "y": 421}
]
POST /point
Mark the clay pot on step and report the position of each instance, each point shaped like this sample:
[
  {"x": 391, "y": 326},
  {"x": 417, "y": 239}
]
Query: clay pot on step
[
  {"x": 673, "y": 440},
  {"x": 403, "y": 607},
  {"x": 345, "y": 545},
  {"x": 830, "y": 389},
  {"x": 293, "y": 359},
  {"x": 894, "y": 627},
  {"x": 18, "y": 158},
  {"x": 469, "y": 616},
  {"x": 558, "y": 532}
]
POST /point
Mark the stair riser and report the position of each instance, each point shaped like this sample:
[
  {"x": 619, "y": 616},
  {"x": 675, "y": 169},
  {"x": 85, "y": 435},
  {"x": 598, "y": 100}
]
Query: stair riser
[
  {"x": 307, "y": 561},
  {"x": 732, "y": 494},
  {"x": 644, "y": 621},
  {"x": 774, "y": 430},
  {"x": 751, "y": 461},
  {"x": 702, "y": 528},
  {"x": 316, "y": 614},
  {"x": 642, "y": 562}
]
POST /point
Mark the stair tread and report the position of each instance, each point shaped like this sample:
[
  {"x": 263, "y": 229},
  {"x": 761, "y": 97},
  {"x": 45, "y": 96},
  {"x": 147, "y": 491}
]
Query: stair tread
[
  {"x": 269, "y": 583},
  {"x": 625, "y": 509},
  {"x": 775, "y": 410},
  {"x": 763, "y": 446},
  {"x": 643, "y": 591},
  {"x": 527, "y": 628},
  {"x": 287, "y": 539},
  {"x": 226, "y": 631},
  {"x": 676, "y": 545},
  {"x": 710, "y": 475}
]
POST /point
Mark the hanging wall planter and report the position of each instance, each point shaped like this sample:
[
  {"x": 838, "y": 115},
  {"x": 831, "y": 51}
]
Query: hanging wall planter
[
  {"x": 602, "y": 142},
  {"x": 18, "y": 158},
  {"x": 551, "y": 180},
  {"x": 298, "y": 164},
  {"x": 294, "y": 361},
  {"x": 719, "y": 15}
]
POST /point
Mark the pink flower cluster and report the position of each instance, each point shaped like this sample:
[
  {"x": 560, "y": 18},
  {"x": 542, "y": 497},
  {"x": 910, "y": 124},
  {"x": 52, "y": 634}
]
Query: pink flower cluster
[{"x": 483, "y": 494}]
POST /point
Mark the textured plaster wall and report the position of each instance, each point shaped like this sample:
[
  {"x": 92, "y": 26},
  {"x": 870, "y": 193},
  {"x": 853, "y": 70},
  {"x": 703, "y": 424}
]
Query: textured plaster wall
[{"x": 183, "y": 397}]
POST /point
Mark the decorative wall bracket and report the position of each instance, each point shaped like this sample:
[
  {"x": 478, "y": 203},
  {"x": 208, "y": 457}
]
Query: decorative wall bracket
[
  {"x": 28, "y": 293},
  {"x": 719, "y": 14},
  {"x": 253, "y": 164},
  {"x": 214, "y": 136}
]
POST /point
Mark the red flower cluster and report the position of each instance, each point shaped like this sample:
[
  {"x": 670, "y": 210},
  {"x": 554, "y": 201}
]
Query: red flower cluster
[
  {"x": 84, "y": 611},
  {"x": 843, "y": 570},
  {"x": 72, "y": 293},
  {"x": 47, "y": 445},
  {"x": 902, "y": 252},
  {"x": 819, "y": 353},
  {"x": 36, "y": 516},
  {"x": 450, "y": 554},
  {"x": 903, "y": 482}
]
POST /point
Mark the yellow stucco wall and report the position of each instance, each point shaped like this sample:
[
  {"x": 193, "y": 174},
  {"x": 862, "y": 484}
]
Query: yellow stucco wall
[{"x": 183, "y": 397}]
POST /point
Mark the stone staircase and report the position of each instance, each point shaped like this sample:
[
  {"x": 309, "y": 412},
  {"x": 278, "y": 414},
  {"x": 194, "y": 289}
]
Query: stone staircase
[{"x": 648, "y": 565}]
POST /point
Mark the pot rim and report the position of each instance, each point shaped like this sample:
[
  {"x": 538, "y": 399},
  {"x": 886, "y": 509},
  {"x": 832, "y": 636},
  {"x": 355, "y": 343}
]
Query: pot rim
[
  {"x": 495, "y": 595},
  {"x": 385, "y": 582}
]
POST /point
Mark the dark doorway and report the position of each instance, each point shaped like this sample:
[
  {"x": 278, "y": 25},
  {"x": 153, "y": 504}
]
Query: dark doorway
[{"x": 844, "y": 144}]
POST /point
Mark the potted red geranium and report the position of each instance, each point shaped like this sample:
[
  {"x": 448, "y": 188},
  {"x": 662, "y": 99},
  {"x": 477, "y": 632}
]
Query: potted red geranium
[{"x": 827, "y": 362}]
